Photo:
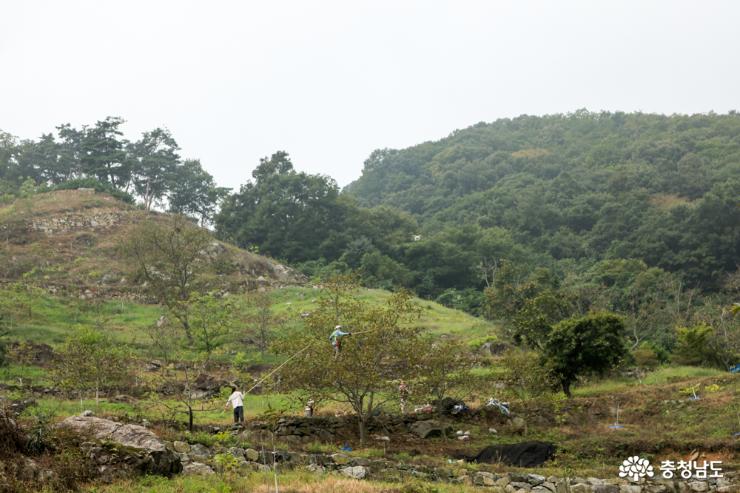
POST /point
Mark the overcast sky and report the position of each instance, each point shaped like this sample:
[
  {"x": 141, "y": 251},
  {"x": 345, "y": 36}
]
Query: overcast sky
[{"x": 329, "y": 81}]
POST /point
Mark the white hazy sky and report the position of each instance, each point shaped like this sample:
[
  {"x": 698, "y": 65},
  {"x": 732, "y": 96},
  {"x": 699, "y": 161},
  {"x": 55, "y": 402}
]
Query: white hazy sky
[{"x": 329, "y": 81}]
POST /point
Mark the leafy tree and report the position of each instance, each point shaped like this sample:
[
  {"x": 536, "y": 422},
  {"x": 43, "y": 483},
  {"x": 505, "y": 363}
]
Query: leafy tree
[
  {"x": 193, "y": 191},
  {"x": 533, "y": 323},
  {"x": 443, "y": 367},
  {"x": 89, "y": 361},
  {"x": 262, "y": 318},
  {"x": 524, "y": 373},
  {"x": 286, "y": 213},
  {"x": 172, "y": 259},
  {"x": 381, "y": 350},
  {"x": 102, "y": 152},
  {"x": 155, "y": 157},
  {"x": 211, "y": 321},
  {"x": 592, "y": 344}
]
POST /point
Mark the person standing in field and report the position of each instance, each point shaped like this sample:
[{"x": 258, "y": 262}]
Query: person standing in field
[{"x": 236, "y": 399}]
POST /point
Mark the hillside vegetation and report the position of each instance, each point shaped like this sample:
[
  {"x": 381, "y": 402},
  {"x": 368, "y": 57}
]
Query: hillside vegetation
[
  {"x": 70, "y": 241},
  {"x": 580, "y": 187},
  {"x": 567, "y": 280}
]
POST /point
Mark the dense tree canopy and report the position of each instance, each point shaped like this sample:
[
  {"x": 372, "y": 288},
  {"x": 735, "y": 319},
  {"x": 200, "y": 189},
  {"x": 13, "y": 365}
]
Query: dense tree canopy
[
  {"x": 99, "y": 157},
  {"x": 662, "y": 189}
]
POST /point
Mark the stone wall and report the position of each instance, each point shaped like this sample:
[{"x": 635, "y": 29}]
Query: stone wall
[
  {"x": 66, "y": 223},
  {"x": 198, "y": 459}
]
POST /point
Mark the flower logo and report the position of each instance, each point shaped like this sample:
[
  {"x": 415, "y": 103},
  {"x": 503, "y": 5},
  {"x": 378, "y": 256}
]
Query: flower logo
[{"x": 635, "y": 468}]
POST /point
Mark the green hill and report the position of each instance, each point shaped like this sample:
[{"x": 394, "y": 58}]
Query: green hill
[{"x": 579, "y": 188}]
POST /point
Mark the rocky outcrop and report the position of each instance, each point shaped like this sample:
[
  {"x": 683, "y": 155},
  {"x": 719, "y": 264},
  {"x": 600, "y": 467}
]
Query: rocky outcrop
[
  {"x": 430, "y": 428},
  {"x": 118, "y": 450}
]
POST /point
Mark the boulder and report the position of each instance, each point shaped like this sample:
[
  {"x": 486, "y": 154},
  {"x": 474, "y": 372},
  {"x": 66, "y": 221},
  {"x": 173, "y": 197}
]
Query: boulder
[
  {"x": 580, "y": 488},
  {"x": 535, "y": 479},
  {"x": 130, "y": 446},
  {"x": 197, "y": 469},
  {"x": 606, "y": 488},
  {"x": 517, "y": 425},
  {"x": 199, "y": 452},
  {"x": 236, "y": 452},
  {"x": 699, "y": 486},
  {"x": 181, "y": 447},
  {"x": 340, "y": 459},
  {"x": 252, "y": 455},
  {"x": 483, "y": 478},
  {"x": 355, "y": 472},
  {"x": 430, "y": 428}
]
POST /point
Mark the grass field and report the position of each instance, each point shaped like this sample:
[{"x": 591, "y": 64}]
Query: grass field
[{"x": 48, "y": 319}]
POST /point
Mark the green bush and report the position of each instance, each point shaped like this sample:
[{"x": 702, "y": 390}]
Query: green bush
[
  {"x": 693, "y": 346},
  {"x": 525, "y": 374},
  {"x": 646, "y": 356}
]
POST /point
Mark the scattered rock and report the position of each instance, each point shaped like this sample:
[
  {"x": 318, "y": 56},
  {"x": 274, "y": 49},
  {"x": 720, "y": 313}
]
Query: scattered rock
[
  {"x": 355, "y": 472},
  {"x": 535, "y": 479},
  {"x": 606, "y": 488},
  {"x": 197, "y": 469},
  {"x": 252, "y": 455},
  {"x": 340, "y": 459},
  {"x": 483, "y": 478},
  {"x": 87, "y": 413},
  {"x": 200, "y": 453},
  {"x": 316, "y": 468},
  {"x": 698, "y": 486},
  {"x": 580, "y": 488},
  {"x": 517, "y": 425},
  {"x": 236, "y": 452},
  {"x": 181, "y": 447},
  {"x": 430, "y": 428}
]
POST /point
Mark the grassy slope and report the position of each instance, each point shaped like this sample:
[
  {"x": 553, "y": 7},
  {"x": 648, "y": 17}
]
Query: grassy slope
[{"x": 51, "y": 318}]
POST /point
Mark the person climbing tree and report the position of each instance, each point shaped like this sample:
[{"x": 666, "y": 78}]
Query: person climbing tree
[{"x": 336, "y": 339}]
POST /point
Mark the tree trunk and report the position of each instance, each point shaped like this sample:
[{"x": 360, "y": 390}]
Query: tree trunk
[
  {"x": 190, "y": 418},
  {"x": 566, "y": 388},
  {"x": 363, "y": 428}
]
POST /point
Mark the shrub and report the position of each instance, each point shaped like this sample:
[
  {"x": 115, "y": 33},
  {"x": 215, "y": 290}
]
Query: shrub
[
  {"x": 646, "y": 357},
  {"x": 693, "y": 345},
  {"x": 524, "y": 373}
]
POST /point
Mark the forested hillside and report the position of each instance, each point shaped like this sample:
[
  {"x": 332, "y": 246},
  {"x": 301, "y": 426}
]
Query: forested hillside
[
  {"x": 584, "y": 186},
  {"x": 530, "y": 220}
]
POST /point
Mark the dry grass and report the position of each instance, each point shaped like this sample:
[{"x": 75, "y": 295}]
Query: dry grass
[{"x": 327, "y": 485}]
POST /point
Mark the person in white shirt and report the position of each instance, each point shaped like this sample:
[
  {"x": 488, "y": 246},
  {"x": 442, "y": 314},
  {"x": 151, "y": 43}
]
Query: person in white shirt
[{"x": 236, "y": 399}]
